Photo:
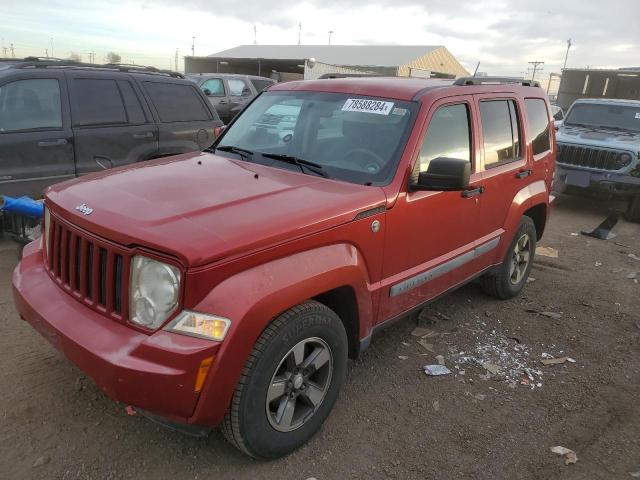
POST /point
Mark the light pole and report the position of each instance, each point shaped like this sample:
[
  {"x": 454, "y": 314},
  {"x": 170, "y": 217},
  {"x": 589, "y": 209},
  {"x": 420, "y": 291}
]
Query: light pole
[
  {"x": 193, "y": 46},
  {"x": 330, "y": 33},
  {"x": 566, "y": 54}
]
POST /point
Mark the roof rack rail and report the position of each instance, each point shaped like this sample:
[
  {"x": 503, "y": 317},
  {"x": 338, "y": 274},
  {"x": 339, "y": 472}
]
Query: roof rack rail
[
  {"x": 44, "y": 62},
  {"x": 495, "y": 80}
]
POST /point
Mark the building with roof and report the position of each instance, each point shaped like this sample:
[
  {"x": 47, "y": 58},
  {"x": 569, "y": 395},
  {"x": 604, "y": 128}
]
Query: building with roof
[{"x": 312, "y": 61}]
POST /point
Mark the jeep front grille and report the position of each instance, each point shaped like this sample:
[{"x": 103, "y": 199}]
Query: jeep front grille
[
  {"x": 588, "y": 157},
  {"x": 92, "y": 270}
]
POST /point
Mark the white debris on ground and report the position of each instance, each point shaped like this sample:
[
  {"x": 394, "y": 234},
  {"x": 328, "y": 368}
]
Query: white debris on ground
[{"x": 502, "y": 358}]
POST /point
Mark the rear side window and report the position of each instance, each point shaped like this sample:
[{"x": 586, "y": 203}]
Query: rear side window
[
  {"x": 176, "y": 102},
  {"x": 132, "y": 102},
  {"x": 213, "y": 87},
  {"x": 448, "y": 136},
  {"x": 30, "y": 105},
  {"x": 238, "y": 88},
  {"x": 538, "y": 120},
  {"x": 260, "y": 85},
  {"x": 500, "y": 132},
  {"x": 96, "y": 101}
]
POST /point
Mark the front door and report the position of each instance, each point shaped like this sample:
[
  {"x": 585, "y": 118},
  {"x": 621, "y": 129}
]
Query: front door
[
  {"x": 431, "y": 236},
  {"x": 36, "y": 147}
]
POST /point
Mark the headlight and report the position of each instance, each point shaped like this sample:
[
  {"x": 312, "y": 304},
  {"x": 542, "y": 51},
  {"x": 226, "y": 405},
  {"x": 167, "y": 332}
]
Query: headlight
[
  {"x": 47, "y": 223},
  {"x": 200, "y": 325},
  {"x": 623, "y": 160},
  {"x": 153, "y": 291}
]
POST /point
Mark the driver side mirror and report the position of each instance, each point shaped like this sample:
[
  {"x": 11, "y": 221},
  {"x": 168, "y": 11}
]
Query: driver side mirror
[
  {"x": 444, "y": 174},
  {"x": 207, "y": 92}
]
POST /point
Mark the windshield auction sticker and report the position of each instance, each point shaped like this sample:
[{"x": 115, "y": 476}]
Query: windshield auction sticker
[{"x": 367, "y": 106}]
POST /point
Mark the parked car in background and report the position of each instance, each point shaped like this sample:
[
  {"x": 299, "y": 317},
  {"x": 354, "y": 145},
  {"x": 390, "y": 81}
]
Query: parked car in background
[
  {"x": 599, "y": 150},
  {"x": 229, "y": 93},
  {"x": 230, "y": 287},
  {"x": 558, "y": 115},
  {"x": 61, "y": 119}
]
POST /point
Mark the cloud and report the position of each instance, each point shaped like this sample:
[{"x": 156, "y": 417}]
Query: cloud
[{"x": 504, "y": 35}]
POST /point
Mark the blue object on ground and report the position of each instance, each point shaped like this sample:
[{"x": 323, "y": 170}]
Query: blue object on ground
[{"x": 23, "y": 205}]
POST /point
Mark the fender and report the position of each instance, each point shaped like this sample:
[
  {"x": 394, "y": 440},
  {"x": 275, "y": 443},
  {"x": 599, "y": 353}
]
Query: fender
[
  {"x": 253, "y": 298},
  {"x": 533, "y": 194}
]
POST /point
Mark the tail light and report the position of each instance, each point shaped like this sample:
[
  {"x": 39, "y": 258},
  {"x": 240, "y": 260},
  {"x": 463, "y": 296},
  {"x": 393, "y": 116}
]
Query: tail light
[{"x": 217, "y": 131}]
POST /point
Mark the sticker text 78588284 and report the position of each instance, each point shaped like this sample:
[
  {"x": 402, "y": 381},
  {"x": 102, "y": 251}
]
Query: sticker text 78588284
[{"x": 367, "y": 106}]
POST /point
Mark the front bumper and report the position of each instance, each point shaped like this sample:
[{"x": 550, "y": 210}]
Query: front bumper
[
  {"x": 154, "y": 372},
  {"x": 609, "y": 182}
]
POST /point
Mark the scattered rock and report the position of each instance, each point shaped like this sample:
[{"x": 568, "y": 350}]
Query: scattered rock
[
  {"x": 634, "y": 256},
  {"x": 480, "y": 396},
  {"x": 436, "y": 405},
  {"x": 635, "y": 474},
  {"x": 573, "y": 234},
  {"x": 548, "y": 252},
  {"x": 569, "y": 455},
  {"x": 531, "y": 280},
  {"x": 598, "y": 264},
  {"x": 632, "y": 275},
  {"x": 436, "y": 370},
  {"x": 403, "y": 357},
  {"x": 554, "y": 315},
  {"x": 43, "y": 460},
  {"x": 440, "y": 359}
]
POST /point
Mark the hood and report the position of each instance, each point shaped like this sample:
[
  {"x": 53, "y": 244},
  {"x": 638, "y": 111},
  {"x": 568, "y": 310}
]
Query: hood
[
  {"x": 600, "y": 137},
  {"x": 202, "y": 207}
]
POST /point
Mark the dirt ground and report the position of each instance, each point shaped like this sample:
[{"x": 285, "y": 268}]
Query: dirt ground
[{"x": 391, "y": 421}]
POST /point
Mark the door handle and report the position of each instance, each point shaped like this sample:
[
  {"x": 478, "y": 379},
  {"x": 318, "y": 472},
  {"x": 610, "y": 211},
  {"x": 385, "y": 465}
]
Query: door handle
[
  {"x": 222, "y": 102},
  {"x": 523, "y": 173},
  {"x": 53, "y": 143},
  {"x": 472, "y": 192},
  {"x": 100, "y": 159},
  {"x": 143, "y": 135}
]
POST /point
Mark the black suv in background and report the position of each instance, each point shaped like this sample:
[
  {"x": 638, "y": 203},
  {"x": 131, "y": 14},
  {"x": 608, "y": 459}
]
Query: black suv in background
[
  {"x": 61, "y": 119},
  {"x": 229, "y": 92}
]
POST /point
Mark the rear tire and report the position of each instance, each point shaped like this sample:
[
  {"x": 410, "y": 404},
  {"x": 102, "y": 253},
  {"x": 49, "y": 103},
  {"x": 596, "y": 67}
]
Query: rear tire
[
  {"x": 510, "y": 277},
  {"x": 633, "y": 211},
  {"x": 290, "y": 382}
]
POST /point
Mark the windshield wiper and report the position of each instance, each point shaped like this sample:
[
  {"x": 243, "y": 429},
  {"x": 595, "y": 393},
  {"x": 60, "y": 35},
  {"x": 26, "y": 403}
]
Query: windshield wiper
[
  {"x": 301, "y": 163},
  {"x": 243, "y": 152}
]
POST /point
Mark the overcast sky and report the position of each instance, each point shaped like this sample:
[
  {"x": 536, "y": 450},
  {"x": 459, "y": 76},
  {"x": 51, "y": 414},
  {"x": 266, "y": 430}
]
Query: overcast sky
[{"x": 501, "y": 34}]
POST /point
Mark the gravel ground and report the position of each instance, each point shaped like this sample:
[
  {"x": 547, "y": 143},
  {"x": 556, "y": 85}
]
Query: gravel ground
[{"x": 391, "y": 421}]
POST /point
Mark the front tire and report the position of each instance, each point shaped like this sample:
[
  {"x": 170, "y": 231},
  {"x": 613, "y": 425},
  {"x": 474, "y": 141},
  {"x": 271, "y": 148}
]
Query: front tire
[
  {"x": 290, "y": 382},
  {"x": 510, "y": 277},
  {"x": 633, "y": 211}
]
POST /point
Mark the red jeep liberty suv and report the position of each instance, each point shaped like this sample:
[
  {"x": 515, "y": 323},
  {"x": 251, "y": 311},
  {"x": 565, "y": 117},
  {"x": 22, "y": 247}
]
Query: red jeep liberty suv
[{"x": 230, "y": 286}]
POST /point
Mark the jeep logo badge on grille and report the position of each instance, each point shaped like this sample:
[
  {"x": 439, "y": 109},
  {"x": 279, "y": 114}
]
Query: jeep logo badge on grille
[{"x": 84, "y": 209}]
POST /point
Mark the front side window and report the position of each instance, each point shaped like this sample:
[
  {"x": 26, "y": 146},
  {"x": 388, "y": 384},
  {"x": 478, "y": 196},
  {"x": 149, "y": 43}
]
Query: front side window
[
  {"x": 448, "y": 136},
  {"x": 538, "y": 120},
  {"x": 604, "y": 115},
  {"x": 238, "y": 88},
  {"x": 260, "y": 84},
  {"x": 500, "y": 132},
  {"x": 213, "y": 87},
  {"x": 352, "y": 138},
  {"x": 176, "y": 102},
  {"x": 30, "y": 105}
]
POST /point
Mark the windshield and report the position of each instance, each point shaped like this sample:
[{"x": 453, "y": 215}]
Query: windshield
[
  {"x": 351, "y": 138},
  {"x": 605, "y": 116}
]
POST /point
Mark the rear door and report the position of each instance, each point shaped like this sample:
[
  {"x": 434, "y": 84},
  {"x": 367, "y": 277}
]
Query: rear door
[
  {"x": 185, "y": 119},
  {"x": 216, "y": 93},
  {"x": 239, "y": 95},
  {"x": 36, "y": 148},
  {"x": 111, "y": 127},
  {"x": 505, "y": 164}
]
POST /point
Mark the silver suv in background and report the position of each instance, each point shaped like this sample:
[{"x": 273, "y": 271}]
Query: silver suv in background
[
  {"x": 229, "y": 93},
  {"x": 599, "y": 150}
]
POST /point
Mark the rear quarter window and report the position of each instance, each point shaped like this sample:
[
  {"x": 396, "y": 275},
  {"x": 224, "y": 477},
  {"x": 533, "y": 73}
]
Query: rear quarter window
[
  {"x": 177, "y": 102},
  {"x": 538, "y": 120}
]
